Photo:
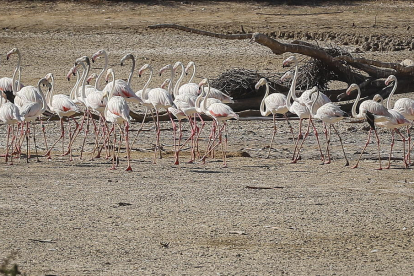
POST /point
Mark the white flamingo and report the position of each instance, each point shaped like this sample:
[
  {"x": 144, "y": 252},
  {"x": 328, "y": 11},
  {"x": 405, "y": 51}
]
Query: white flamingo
[
  {"x": 371, "y": 111},
  {"x": 162, "y": 99},
  {"x": 394, "y": 120},
  {"x": 117, "y": 112},
  {"x": 122, "y": 87},
  {"x": 190, "y": 87},
  {"x": 6, "y": 83},
  {"x": 30, "y": 111},
  {"x": 301, "y": 110},
  {"x": 330, "y": 114},
  {"x": 274, "y": 103},
  {"x": 405, "y": 106},
  {"x": 220, "y": 112},
  {"x": 62, "y": 106},
  {"x": 10, "y": 115}
]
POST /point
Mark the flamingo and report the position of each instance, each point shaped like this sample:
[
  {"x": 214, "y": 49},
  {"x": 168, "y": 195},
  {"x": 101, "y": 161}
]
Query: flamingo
[
  {"x": 32, "y": 110},
  {"x": 220, "y": 112},
  {"x": 94, "y": 100},
  {"x": 330, "y": 114},
  {"x": 6, "y": 83},
  {"x": 161, "y": 99},
  {"x": 394, "y": 121},
  {"x": 274, "y": 103},
  {"x": 10, "y": 115},
  {"x": 117, "y": 112},
  {"x": 122, "y": 87},
  {"x": 373, "y": 112},
  {"x": 405, "y": 106},
  {"x": 190, "y": 87},
  {"x": 300, "y": 108},
  {"x": 62, "y": 106}
]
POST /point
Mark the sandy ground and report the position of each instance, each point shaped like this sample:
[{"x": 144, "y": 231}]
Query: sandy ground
[{"x": 257, "y": 217}]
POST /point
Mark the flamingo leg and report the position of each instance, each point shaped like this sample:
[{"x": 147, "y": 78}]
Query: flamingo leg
[
  {"x": 303, "y": 141},
  {"x": 297, "y": 140},
  {"x": 62, "y": 128},
  {"x": 328, "y": 141},
  {"x": 315, "y": 131},
  {"x": 88, "y": 115},
  {"x": 225, "y": 145},
  {"x": 273, "y": 135},
  {"x": 27, "y": 132},
  {"x": 342, "y": 145},
  {"x": 213, "y": 147},
  {"x": 34, "y": 141},
  {"x": 290, "y": 126},
  {"x": 42, "y": 126},
  {"x": 406, "y": 163},
  {"x": 140, "y": 128},
  {"x": 363, "y": 150},
  {"x": 379, "y": 149},
  {"x": 128, "y": 169},
  {"x": 7, "y": 143}
]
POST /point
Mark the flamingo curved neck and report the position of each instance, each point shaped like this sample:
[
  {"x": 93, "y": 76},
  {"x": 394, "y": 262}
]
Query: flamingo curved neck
[
  {"x": 132, "y": 70},
  {"x": 354, "y": 113},
  {"x": 264, "y": 112},
  {"x": 15, "y": 85},
  {"x": 113, "y": 86},
  {"x": 177, "y": 84},
  {"x": 391, "y": 94},
  {"x": 86, "y": 69},
  {"x": 194, "y": 71},
  {"x": 312, "y": 110},
  {"x": 144, "y": 90},
  {"x": 172, "y": 80},
  {"x": 42, "y": 94},
  {"x": 102, "y": 71},
  {"x": 293, "y": 85},
  {"x": 206, "y": 97},
  {"x": 51, "y": 91}
]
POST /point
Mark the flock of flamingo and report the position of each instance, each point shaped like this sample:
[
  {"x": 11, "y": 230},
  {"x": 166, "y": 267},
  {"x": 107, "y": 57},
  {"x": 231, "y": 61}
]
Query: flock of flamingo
[
  {"x": 22, "y": 105},
  {"x": 107, "y": 110}
]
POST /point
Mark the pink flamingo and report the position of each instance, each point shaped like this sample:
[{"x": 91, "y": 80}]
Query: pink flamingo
[
  {"x": 10, "y": 115},
  {"x": 373, "y": 112},
  {"x": 274, "y": 103},
  {"x": 220, "y": 112},
  {"x": 62, "y": 106},
  {"x": 117, "y": 112}
]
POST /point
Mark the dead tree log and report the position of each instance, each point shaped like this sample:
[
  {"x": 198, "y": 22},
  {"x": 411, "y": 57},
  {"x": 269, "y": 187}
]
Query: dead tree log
[{"x": 369, "y": 74}]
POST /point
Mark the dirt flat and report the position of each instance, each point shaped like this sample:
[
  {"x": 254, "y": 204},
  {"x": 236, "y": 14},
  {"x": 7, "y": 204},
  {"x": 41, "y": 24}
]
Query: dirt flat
[{"x": 258, "y": 216}]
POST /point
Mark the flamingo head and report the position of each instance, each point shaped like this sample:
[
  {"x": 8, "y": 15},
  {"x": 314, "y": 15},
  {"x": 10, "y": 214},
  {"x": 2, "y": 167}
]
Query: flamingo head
[
  {"x": 201, "y": 84},
  {"x": 261, "y": 82},
  {"x": 45, "y": 82},
  {"x": 165, "y": 83},
  {"x": 378, "y": 98},
  {"x": 91, "y": 77},
  {"x": 98, "y": 55},
  {"x": 71, "y": 72},
  {"x": 390, "y": 79},
  {"x": 287, "y": 62},
  {"x": 166, "y": 67},
  {"x": 143, "y": 68},
  {"x": 84, "y": 59},
  {"x": 49, "y": 77},
  {"x": 126, "y": 57},
  {"x": 287, "y": 76},
  {"x": 108, "y": 73},
  {"x": 351, "y": 88},
  {"x": 178, "y": 63},
  {"x": 191, "y": 63},
  {"x": 12, "y": 51}
]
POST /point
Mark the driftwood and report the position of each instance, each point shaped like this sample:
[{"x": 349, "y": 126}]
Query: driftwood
[{"x": 369, "y": 74}]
